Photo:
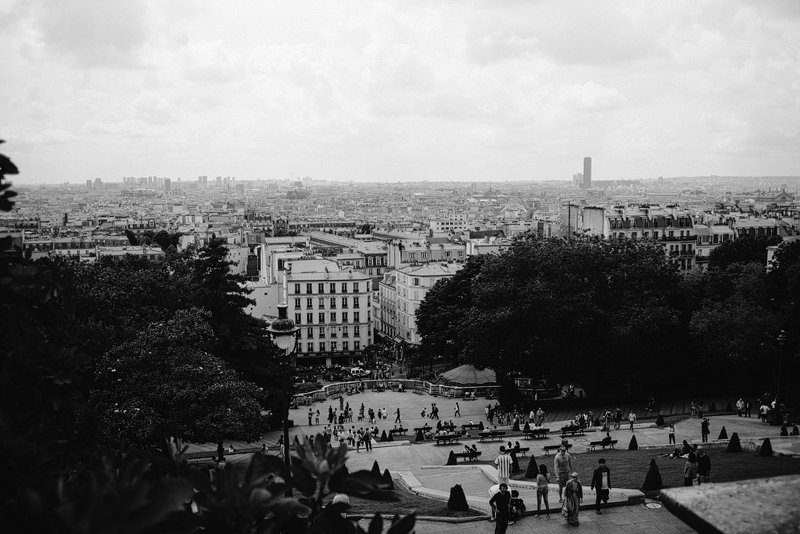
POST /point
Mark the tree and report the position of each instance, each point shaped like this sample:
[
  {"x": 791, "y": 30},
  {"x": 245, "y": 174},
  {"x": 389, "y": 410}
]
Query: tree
[
  {"x": 163, "y": 383},
  {"x": 742, "y": 250}
]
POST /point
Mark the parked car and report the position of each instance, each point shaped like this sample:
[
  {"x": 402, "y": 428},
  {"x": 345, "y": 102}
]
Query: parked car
[{"x": 359, "y": 372}]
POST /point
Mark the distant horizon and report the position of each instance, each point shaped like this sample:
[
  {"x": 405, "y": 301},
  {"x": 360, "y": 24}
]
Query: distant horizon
[{"x": 472, "y": 91}]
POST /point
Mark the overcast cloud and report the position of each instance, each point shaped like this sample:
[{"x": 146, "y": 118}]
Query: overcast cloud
[{"x": 407, "y": 90}]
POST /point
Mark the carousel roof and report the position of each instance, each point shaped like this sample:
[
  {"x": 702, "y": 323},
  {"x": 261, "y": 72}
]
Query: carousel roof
[{"x": 470, "y": 375}]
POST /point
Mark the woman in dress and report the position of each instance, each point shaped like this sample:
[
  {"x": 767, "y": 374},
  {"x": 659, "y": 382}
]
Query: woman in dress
[{"x": 573, "y": 494}]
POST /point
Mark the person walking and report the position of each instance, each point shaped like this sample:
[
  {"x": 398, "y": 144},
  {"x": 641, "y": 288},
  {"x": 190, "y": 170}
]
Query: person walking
[
  {"x": 573, "y": 495},
  {"x": 703, "y": 466},
  {"x": 501, "y": 504},
  {"x": 367, "y": 440},
  {"x": 705, "y": 429},
  {"x": 541, "y": 491},
  {"x": 503, "y": 463},
  {"x": 632, "y": 418},
  {"x": 457, "y": 412},
  {"x": 672, "y": 433},
  {"x": 562, "y": 467},
  {"x": 397, "y": 418},
  {"x": 601, "y": 483}
]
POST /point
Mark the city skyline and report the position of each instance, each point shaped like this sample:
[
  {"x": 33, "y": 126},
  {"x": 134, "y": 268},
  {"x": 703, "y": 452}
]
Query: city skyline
[{"x": 455, "y": 91}]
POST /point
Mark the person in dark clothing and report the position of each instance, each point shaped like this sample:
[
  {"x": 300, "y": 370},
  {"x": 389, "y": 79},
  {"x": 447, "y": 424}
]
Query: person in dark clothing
[
  {"x": 501, "y": 502},
  {"x": 704, "y": 430},
  {"x": 601, "y": 482},
  {"x": 703, "y": 466}
]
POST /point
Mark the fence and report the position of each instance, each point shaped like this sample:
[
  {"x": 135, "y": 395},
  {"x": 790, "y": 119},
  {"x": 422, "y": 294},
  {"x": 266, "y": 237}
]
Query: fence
[{"x": 422, "y": 386}]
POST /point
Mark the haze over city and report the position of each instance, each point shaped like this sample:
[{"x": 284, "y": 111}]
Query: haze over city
[{"x": 400, "y": 91}]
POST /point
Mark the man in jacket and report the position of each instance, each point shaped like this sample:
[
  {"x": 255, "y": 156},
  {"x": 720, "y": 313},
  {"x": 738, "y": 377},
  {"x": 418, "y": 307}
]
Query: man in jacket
[{"x": 601, "y": 483}]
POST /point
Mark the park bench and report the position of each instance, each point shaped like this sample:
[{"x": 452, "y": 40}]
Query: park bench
[
  {"x": 603, "y": 443},
  {"x": 400, "y": 431},
  {"x": 537, "y": 433},
  {"x": 446, "y": 438},
  {"x": 491, "y": 434},
  {"x": 572, "y": 430},
  {"x": 468, "y": 456},
  {"x": 470, "y": 426},
  {"x": 548, "y": 448},
  {"x": 521, "y": 451},
  {"x": 424, "y": 429}
]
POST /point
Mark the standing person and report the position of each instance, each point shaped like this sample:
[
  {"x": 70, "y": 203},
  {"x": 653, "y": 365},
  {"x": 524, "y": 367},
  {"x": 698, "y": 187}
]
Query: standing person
[
  {"x": 562, "y": 466},
  {"x": 672, "y": 433},
  {"x": 503, "y": 463},
  {"x": 690, "y": 469},
  {"x": 367, "y": 440},
  {"x": 601, "y": 482},
  {"x": 541, "y": 491},
  {"x": 617, "y": 418},
  {"x": 632, "y": 419},
  {"x": 457, "y": 412},
  {"x": 748, "y": 409},
  {"x": 573, "y": 494},
  {"x": 310, "y": 416},
  {"x": 317, "y": 418},
  {"x": 501, "y": 503},
  {"x": 740, "y": 407},
  {"x": 704, "y": 429},
  {"x": 703, "y": 466},
  {"x": 397, "y": 418}
]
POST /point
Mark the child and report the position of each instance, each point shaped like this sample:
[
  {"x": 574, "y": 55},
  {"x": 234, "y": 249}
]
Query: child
[{"x": 517, "y": 506}]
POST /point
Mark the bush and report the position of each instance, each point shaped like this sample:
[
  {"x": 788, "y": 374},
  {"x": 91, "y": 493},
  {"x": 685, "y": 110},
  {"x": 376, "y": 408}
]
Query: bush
[
  {"x": 533, "y": 470},
  {"x": 387, "y": 479},
  {"x": 633, "y": 445},
  {"x": 457, "y": 500},
  {"x": 652, "y": 480},
  {"x": 515, "y": 428},
  {"x": 723, "y": 434},
  {"x": 766, "y": 448},
  {"x": 451, "y": 459},
  {"x": 659, "y": 420},
  {"x": 734, "y": 445}
]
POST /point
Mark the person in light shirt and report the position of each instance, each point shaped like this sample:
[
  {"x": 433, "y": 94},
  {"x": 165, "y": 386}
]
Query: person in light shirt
[{"x": 503, "y": 463}]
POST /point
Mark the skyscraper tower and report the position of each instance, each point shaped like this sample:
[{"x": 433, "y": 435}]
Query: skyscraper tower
[{"x": 587, "y": 173}]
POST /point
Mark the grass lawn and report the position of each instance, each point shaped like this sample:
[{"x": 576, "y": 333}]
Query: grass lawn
[
  {"x": 628, "y": 468},
  {"x": 405, "y": 503}
]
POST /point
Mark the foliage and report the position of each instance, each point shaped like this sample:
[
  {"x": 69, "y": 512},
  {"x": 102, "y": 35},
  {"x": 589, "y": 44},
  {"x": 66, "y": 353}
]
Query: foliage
[
  {"x": 457, "y": 500},
  {"x": 652, "y": 480},
  {"x": 766, "y": 448},
  {"x": 6, "y": 194},
  {"x": 734, "y": 445},
  {"x": 745, "y": 249},
  {"x": 164, "y": 383}
]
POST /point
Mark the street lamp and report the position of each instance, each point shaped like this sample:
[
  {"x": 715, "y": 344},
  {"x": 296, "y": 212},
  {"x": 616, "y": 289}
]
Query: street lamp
[
  {"x": 284, "y": 334},
  {"x": 782, "y": 339}
]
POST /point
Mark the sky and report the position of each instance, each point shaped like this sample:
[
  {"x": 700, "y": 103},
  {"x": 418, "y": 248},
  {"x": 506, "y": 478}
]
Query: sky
[{"x": 408, "y": 90}]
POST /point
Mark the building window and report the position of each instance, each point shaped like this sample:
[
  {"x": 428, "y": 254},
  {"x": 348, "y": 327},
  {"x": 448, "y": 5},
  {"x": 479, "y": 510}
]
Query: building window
[
  {"x": 308, "y": 289},
  {"x": 321, "y": 318},
  {"x": 333, "y": 317},
  {"x": 322, "y": 332},
  {"x": 296, "y": 303},
  {"x": 333, "y": 303},
  {"x": 320, "y": 288},
  {"x": 310, "y": 333},
  {"x": 322, "y": 346},
  {"x": 309, "y": 302},
  {"x": 333, "y": 346},
  {"x": 416, "y": 281},
  {"x": 655, "y": 234},
  {"x": 297, "y": 289},
  {"x": 356, "y": 318},
  {"x": 345, "y": 331},
  {"x": 355, "y": 287},
  {"x": 332, "y": 288},
  {"x": 309, "y": 318},
  {"x": 296, "y": 318},
  {"x": 345, "y": 345},
  {"x": 355, "y": 302},
  {"x": 322, "y": 303},
  {"x": 344, "y": 287},
  {"x": 356, "y": 332},
  {"x": 344, "y": 302},
  {"x": 344, "y": 317}
]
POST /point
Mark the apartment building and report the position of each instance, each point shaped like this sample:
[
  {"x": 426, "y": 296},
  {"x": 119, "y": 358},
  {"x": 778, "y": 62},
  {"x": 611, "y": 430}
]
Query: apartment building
[
  {"x": 411, "y": 284},
  {"x": 332, "y": 307}
]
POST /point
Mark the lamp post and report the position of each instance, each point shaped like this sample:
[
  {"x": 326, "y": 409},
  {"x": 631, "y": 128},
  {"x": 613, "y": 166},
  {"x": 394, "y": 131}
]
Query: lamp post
[
  {"x": 782, "y": 339},
  {"x": 284, "y": 334}
]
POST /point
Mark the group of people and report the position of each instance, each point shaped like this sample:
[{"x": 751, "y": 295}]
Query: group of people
[{"x": 506, "y": 508}]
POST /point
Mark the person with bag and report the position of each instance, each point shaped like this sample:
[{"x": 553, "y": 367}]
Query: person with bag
[
  {"x": 601, "y": 483},
  {"x": 573, "y": 494}
]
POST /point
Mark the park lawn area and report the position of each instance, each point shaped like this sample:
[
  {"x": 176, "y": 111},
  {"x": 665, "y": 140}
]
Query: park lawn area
[
  {"x": 406, "y": 502},
  {"x": 628, "y": 468}
]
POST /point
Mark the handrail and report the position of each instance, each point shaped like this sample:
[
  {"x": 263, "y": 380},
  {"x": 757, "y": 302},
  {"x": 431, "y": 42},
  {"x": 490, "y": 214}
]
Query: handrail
[{"x": 421, "y": 385}]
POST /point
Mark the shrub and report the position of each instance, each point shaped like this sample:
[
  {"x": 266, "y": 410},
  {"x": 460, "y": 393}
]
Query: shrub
[
  {"x": 734, "y": 445},
  {"x": 652, "y": 480},
  {"x": 766, "y": 448},
  {"x": 633, "y": 445},
  {"x": 457, "y": 500},
  {"x": 451, "y": 459},
  {"x": 659, "y": 420},
  {"x": 533, "y": 470},
  {"x": 723, "y": 434}
]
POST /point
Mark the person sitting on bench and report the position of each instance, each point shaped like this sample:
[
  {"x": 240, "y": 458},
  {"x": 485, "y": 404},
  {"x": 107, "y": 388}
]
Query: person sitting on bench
[{"x": 606, "y": 440}]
